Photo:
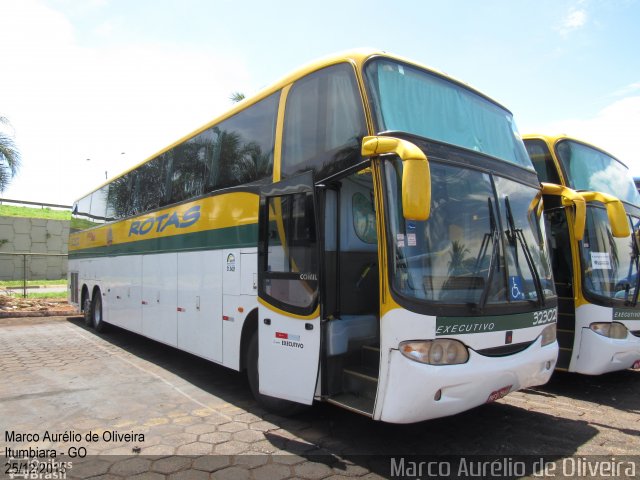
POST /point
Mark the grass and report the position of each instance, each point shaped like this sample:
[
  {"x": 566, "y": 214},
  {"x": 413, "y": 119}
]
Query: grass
[
  {"x": 48, "y": 214},
  {"x": 60, "y": 295},
  {"x": 28, "y": 212},
  {"x": 31, "y": 283}
]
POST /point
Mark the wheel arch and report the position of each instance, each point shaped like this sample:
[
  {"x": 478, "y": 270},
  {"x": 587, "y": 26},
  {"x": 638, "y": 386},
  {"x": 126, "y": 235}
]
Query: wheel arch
[
  {"x": 84, "y": 296},
  {"x": 250, "y": 325}
]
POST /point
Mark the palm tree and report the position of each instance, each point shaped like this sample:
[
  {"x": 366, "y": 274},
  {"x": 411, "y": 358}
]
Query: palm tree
[
  {"x": 457, "y": 256},
  {"x": 237, "y": 97},
  {"x": 9, "y": 158}
]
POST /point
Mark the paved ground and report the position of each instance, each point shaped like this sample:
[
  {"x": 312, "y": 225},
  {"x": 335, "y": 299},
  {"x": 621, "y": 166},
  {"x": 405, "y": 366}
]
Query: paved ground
[{"x": 189, "y": 418}]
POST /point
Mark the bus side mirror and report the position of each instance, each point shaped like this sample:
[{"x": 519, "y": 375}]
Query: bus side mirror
[
  {"x": 569, "y": 198},
  {"x": 615, "y": 212},
  {"x": 416, "y": 177}
]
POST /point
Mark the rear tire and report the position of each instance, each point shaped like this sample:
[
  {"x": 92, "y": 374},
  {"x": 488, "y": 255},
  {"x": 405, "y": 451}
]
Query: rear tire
[
  {"x": 97, "y": 321},
  {"x": 271, "y": 404},
  {"x": 87, "y": 311}
]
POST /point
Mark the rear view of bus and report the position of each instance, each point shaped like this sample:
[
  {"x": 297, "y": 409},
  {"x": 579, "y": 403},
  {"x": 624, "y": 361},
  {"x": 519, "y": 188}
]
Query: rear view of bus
[{"x": 596, "y": 273}]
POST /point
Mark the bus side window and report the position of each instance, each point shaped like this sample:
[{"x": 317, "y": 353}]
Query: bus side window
[
  {"x": 324, "y": 123},
  {"x": 290, "y": 276},
  {"x": 99, "y": 204},
  {"x": 542, "y": 161},
  {"x": 556, "y": 223}
]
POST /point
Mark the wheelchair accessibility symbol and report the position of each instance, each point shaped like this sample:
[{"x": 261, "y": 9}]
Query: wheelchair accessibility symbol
[{"x": 516, "y": 291}]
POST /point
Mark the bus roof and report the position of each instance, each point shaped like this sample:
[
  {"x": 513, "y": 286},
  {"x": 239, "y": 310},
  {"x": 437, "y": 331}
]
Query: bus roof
[
  {"x": 553, "y": 139},
  {"x": 356, "y": 56}
]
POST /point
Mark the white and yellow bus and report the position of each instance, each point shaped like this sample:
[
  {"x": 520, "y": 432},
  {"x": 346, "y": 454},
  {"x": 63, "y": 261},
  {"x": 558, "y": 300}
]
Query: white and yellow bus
[
  {"x": 367, "y": 232},
  {"x": 596, "y": 271}
]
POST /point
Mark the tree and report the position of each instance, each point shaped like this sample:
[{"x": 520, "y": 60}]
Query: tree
[
  {"x": 9, "y": 157},
  {"x": 236, "y": 97}
]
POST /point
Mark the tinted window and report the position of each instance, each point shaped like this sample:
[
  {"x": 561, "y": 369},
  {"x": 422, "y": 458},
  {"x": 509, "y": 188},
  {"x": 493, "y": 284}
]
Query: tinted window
[
  {"x": 120, "y": 199},
  {"x": 237, "y": 150},
  {"x": 413, "y": 100},
  {"x": 291, "y": 271},
  {"x": 324, "y": 123},
  {"x": 588, "y": 168},
  {"x": 542, "y": 161},
  {"x": 82, "y": 208},
  {"x": 99, "y": 204}
]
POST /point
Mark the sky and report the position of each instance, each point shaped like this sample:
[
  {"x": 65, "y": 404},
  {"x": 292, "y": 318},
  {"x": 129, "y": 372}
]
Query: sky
[{"x": 93, "y": 87}]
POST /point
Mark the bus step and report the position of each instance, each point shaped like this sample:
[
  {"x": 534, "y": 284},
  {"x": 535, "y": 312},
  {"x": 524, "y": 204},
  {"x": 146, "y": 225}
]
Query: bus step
[
  {"x": 353, "y": 402},
  {"x": 370, "y": 357},
  {"x": 360, "y": 381}
]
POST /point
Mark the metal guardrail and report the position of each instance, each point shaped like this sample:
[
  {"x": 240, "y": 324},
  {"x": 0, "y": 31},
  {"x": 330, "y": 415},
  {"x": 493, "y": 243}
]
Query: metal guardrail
[
  {"x": 41, "y": 204},
  {"x": 24, "y": 256}
]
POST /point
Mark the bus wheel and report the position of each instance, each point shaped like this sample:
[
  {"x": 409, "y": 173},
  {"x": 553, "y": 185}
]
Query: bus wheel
[
  {"x": 271, "y": 404},
  {"x": 97, "y": 321},
  {"x": 87, "y": 311}
]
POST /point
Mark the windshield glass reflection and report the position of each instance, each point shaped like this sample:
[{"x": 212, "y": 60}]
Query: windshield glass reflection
[
  {"x": 468, "y": 251},
  {"x": 413, "y": 100},
  {"x": 610, "y": 264},
  {"x": 590, "y": 169}
]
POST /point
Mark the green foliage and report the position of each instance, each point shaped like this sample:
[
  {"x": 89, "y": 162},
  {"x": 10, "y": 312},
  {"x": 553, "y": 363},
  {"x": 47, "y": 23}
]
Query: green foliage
[
  {"x": 9, "y": 157},
  {"x": 18, "y": 283},
  {"x": 236, "y": 97},
  {"x": 60, "y": 295},
  {"x": 78, "y": 224},
  {"x": 28, "y": 212}
]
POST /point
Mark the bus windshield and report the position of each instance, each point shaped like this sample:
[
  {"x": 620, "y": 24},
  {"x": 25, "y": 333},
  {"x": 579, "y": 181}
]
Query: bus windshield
[
  {"x": 610, "y": 264},
  {"x": 484, "y": 242},
  {"x": 408, "y": 99},
  {"x": 590, "y": 169}
]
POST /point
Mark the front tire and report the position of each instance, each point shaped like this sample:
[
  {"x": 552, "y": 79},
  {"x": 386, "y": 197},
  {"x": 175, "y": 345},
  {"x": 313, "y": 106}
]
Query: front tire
[
  {"x": 271, "y": 404},
  {"x": 97, "y": 321}
]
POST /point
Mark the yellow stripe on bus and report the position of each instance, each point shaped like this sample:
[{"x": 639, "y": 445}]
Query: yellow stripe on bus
[{"x": 220, "y": 211}]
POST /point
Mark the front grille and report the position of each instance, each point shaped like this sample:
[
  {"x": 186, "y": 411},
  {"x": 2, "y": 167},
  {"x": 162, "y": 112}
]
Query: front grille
[
  {"x": 636, "y": 333},
  {"x": 504, "y": 350}
]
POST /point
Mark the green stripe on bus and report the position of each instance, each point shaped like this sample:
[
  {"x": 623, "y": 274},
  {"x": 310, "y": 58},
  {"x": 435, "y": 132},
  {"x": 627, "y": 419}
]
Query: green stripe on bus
[
  {"x": 467, "y": 325},
  {"x": 231, "y": 237}
]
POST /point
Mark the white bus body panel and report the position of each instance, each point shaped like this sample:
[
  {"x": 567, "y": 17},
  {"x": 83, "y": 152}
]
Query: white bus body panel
[
  {"x": 199, "y": 305},
  {"x": 407, "y": 389},
  {"x": 124, "y": 292},
  {"x": 180, "y": 299},
  {"x": 160, "y": 297},
  {"x": 289, "y": 355},
  {"x": 236, "y": 307},
  {"x": 594, "y": 354}
]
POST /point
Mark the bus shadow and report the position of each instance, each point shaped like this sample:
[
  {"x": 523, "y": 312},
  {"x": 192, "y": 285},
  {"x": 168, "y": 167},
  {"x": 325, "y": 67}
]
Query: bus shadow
[
  {"x": 345, "y": 440},
  {"x": 619, "y": 390}
]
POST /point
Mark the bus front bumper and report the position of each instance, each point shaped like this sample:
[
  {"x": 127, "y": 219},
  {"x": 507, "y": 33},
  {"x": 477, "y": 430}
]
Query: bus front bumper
[
  {"x": 415, "y": 392},
  {"x": 599, "y": 354}
]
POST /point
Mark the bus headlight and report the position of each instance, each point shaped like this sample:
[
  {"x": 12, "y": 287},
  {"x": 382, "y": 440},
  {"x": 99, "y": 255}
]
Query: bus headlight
[
  {"x": 549, "y": 334},
  {"x": 435, "y": 352},
  {"x": 609, "y": 329}
]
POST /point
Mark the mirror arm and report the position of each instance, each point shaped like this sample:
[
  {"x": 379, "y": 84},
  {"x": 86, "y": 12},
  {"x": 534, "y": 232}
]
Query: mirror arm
[
  {"x": 570, "y": 197},
  {"x": 615, "y": 212},
  {"x": 416, "y": 196}
]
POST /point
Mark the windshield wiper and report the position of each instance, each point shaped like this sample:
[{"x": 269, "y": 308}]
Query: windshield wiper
[
  {"x": 494, "y": 237},
  {"x": 515, "y": 235}
]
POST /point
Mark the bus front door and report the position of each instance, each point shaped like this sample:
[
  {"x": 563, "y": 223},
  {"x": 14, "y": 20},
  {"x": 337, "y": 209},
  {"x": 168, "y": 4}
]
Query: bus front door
[{"x": 289, "y": 313}]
